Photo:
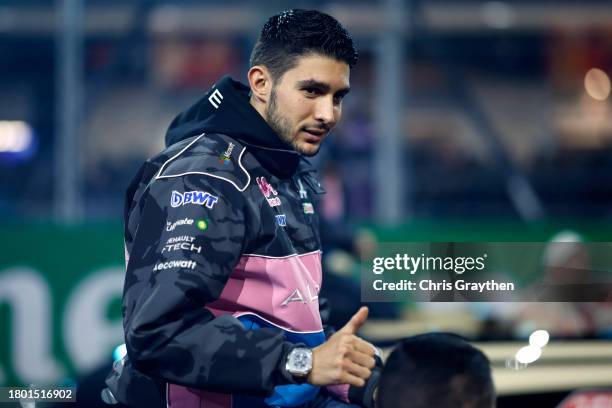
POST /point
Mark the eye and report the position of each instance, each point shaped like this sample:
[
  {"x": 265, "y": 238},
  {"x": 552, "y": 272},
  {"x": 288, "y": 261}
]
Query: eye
[{"x": 312, "y": 91}]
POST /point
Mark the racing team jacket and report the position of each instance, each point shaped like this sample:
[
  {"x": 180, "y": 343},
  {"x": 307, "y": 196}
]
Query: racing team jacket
[{"x": 223, "y": 269}]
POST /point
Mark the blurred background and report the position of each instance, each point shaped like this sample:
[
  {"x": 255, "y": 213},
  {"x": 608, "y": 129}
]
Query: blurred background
[{"x": 467, "y": 121}]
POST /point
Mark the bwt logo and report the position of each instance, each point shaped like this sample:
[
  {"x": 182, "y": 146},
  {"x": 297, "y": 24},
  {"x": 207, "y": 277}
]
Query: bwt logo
[{"x": 193, "y": 197}]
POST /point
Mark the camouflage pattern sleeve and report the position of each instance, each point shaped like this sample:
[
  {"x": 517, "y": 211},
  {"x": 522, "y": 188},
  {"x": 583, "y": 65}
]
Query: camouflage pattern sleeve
[{"x": 189, "y": 237}]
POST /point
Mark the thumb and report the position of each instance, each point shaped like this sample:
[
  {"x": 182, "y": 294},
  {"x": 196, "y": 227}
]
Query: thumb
[{"x": 356, "y": 321}]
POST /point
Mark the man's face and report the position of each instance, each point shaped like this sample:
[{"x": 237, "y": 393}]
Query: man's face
[{"x": 306, "y": 103}]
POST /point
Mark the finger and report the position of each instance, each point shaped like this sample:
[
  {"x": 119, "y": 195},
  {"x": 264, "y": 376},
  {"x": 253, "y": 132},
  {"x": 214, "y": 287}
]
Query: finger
[
  {"x": 356, "y": 321},
  {"x": 362, "y": 359},
  {"x": 364, "y": 347},
  {"x": 350, "y": 379},
  {"x": 357, "y": 370}
]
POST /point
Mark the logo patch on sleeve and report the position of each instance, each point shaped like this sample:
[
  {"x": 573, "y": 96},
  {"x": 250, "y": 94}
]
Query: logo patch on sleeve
[
  {"x": 193, "y": 197},
  {"x": 226, "y": 156},
  {"x": 281, "y": 220},
  {"x": 202, "y": 225},
  {"x": 308, "y": 208}
]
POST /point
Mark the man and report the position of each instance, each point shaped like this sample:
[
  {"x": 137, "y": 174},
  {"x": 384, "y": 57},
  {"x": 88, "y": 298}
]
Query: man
[
  {"x": 436, "y": 370},
  {"x": 220, "y": 302}
]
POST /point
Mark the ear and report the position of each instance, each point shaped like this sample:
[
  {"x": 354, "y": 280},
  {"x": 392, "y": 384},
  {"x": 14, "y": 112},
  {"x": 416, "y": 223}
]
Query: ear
[{"x": 260, "y": 82}]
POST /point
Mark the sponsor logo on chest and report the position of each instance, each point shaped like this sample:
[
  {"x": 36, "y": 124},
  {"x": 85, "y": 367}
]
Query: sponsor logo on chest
[
  {"x": 193, "y": 197},
  {"x": 184, "y": 264},
  {"x": 308, "y": 208},
  {"x": 268, "y": 191},
  {"x": 281, "y": 220},
  {"x": 181, "y": 238},
  {"x": 181, "y": 246},
  {"x": 171, "y": 226}
]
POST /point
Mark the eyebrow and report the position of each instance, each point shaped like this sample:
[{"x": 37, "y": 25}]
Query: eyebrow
[{"x": 312, "y": 83}]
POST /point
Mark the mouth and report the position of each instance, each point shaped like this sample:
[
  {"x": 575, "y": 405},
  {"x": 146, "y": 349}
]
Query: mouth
[{"x": 314, "y": 135}]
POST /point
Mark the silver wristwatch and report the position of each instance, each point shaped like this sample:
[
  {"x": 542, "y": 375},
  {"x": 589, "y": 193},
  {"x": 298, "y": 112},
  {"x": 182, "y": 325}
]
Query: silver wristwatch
[{"x": 299, "y": 362}]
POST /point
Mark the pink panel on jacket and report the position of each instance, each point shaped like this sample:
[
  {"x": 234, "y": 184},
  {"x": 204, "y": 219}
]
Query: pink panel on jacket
[
  {"x": 283, "y": 291},
  {"x": 184, "y": 397},
  {"x": 341, "y": 391}
]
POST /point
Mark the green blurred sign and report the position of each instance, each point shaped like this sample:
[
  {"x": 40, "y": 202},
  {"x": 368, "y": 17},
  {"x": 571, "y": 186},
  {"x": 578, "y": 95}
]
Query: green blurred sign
[
  {"x": 60, "y": 289},
  {"x": 60, "y": 300}
]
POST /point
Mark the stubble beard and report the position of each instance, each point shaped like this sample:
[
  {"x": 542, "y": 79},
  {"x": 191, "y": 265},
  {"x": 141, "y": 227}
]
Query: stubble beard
[{"x": 282, "y": 127}]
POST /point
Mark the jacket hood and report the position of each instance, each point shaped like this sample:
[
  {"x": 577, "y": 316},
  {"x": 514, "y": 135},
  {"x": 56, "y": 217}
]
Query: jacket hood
[{"x": 226, "y": 109}]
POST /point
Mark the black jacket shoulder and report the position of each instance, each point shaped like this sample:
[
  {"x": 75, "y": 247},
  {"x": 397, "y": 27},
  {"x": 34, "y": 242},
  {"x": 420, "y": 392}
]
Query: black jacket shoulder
[{"x": 214, "y": 155}]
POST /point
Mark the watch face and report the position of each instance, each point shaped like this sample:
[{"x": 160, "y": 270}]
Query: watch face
[{"x": 300, "y": 361}]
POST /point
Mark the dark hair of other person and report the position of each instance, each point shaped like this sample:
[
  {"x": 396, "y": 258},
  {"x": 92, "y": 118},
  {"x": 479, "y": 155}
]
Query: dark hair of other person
[
  {"x": 294, "y": 33},
  {"x": 436, "y": 370}
]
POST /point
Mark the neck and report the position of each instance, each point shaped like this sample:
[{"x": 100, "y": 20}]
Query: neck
[{"x": 259, "y": 107}]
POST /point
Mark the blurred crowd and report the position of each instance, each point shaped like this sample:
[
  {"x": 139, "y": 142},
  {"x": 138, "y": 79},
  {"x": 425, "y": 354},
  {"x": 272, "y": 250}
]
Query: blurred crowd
[{"x": 481, "y": 106}]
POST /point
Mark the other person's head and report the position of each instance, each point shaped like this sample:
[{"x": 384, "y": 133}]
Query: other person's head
[
  {"x": 436, "y": 370},
  {"x": 300, "y": 68}
]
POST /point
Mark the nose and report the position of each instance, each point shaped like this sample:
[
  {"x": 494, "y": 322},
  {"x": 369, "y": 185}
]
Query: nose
[{"x": 325, "y": 111}]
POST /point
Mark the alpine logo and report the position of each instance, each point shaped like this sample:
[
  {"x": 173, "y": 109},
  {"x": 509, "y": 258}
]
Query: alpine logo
[
  {"x": 304, "y": 296},
  {"x": 193, "y": 197}
]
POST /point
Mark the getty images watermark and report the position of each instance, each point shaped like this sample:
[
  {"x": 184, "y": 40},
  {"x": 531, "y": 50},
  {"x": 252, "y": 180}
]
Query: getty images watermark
[
  {"x": 412, "y": 264},
  {"x": 488, "y": 272}
]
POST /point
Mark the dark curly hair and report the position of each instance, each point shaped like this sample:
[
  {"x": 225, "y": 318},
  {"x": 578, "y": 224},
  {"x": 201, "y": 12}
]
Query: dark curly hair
[
  {"x": 436, "y": 370},
  {"x": 294, "y": 33}
]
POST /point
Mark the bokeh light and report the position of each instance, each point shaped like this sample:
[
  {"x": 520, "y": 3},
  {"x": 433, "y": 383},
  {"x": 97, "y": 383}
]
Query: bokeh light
[
  {"x": 15, "y": 136},
  {"x": 539, "y": 338},
  {"x": 597, "y": 84},
  {"x": 528, "y": 354}
]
